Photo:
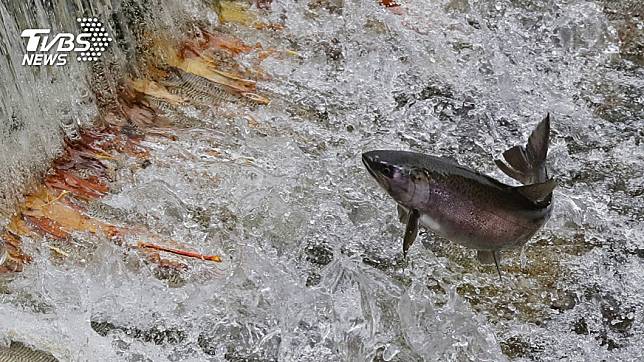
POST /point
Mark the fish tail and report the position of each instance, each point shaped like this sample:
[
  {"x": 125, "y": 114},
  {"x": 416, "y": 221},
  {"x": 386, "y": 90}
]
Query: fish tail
[{"x": 527, "y": 164}]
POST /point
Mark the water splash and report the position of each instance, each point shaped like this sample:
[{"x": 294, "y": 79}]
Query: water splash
[{"x": 314, "y": 270}]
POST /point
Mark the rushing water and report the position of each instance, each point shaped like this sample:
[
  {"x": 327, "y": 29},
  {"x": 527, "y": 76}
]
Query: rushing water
[{"x": 313, "y": 269}]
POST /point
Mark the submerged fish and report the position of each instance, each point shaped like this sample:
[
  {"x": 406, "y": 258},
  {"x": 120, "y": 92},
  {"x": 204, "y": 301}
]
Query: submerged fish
[{"x": 467, "y": 207}]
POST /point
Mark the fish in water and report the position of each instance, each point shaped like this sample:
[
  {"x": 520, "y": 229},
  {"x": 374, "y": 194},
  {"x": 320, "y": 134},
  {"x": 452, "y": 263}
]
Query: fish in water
[{"x": 465, "y": 206}]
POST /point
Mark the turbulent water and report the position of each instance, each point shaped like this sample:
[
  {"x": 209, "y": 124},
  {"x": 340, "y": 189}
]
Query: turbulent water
[{"x": 313, "y": 268}]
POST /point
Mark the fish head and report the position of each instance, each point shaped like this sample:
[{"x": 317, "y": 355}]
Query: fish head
[{"x": 398, "y": 174}]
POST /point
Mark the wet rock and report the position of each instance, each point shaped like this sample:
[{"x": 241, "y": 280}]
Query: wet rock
[
  {"x": 227, "y": 218},
  {"x": 385, "y": 264},
  {"x": 394, "y": 267},
  {"x": 610, "y": 343},
  {"x": 615, "y": 316},
  {"x": 241, "y": 342},
  {"x": 401, "y": 99},
  {"x": 333, "y": 50},
  {"x": 435, "y": 90},
  {"x": 565, "y": 300},
  {"x": 376, "y": 25},
  {"x": 625, "y": 15},
  {"x": 639, "y": 252},
  {"x": 319, "y": 254},
  {"x": 461, "y": 6},
  {"x": 473, "y": 22},
  {"x": 201, "y": 216},
  {"x": 391, "y": 354},
  {"x": 313, "y": 279},
  {"x": 486, "y": 68},
  {"x": 515, "y": 347},
  {"x": 332, "y": 6},
  {"x": 145, "y": 164},
  {"x": 158, "y": 335},
  {"x": 173, "y": 277},
  {"x": 358, "y": 213},
  {"x": 581, "y": 327}
]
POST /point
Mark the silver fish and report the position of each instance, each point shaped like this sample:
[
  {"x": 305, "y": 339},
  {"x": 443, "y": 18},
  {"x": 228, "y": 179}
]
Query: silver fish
[{"x": 467, "y": 207}]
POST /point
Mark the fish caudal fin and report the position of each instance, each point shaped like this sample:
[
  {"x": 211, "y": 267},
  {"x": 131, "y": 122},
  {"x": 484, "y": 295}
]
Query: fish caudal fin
[{"x": 527, "y": 164}]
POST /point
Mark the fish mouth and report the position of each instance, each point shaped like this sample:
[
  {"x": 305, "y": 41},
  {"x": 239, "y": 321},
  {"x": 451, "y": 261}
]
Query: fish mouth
[
  {"x": 371, "y": 163},
  {"x": 367, "y": 164}
]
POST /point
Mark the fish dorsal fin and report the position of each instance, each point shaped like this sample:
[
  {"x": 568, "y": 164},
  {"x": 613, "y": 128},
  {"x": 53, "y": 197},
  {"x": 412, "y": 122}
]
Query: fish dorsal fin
[{"x": 537, "y": 192}]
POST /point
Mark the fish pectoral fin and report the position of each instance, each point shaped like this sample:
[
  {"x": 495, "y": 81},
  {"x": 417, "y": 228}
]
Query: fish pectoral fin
[
  {"x": 411, "y": 231},
  {"x": 485, "y": 256},
  {"x": 403, "y": 214},
  {"x": 537, "y": 192}
]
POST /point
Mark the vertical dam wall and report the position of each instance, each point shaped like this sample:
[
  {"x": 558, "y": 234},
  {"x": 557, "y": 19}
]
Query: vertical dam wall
[{"x": 40, "y": 105}]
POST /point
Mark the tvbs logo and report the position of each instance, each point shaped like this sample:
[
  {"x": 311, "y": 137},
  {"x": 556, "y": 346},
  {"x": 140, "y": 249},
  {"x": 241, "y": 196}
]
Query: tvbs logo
[{"x": 44, "y": 48}]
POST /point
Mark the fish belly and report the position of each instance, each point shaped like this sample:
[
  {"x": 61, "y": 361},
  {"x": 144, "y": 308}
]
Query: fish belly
[
  {"x": 481, "y": 232},
  {"x": 431, "y": 223}
]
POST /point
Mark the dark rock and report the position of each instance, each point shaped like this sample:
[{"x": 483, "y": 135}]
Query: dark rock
[
  {"x": 313, "y": 279},
  {"x": 615, "y": 316},
  {"x": 319, "y": 254},
  {"x": 581, "y": 327},
  {"x": 157, "y": 335},
  {"x": 515, "y": 347}
]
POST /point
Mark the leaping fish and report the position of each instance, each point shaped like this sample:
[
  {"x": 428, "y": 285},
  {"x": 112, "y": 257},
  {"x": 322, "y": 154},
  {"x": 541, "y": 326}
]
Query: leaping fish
[{"x": 465, "y": 206}]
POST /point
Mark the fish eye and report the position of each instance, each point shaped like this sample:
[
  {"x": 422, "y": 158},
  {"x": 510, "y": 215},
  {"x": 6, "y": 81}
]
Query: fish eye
[{"x": 388, "y": 171}]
